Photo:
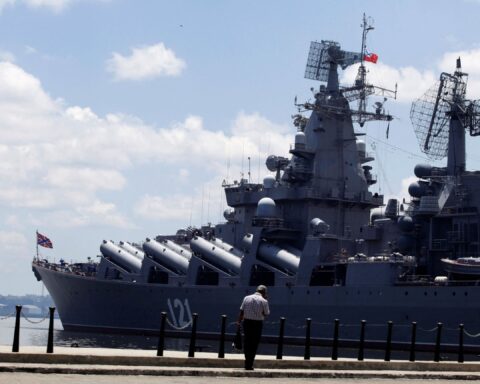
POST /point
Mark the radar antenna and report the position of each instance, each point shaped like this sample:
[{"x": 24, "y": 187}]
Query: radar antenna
[
  {"x": 441, "y": 116},
  {"x": 323, "y": 60}
]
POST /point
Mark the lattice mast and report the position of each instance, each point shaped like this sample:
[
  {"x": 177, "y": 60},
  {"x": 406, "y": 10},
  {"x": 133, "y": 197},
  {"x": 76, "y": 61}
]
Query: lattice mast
[
  {"x": 361, "y": 79},
  {"x": 441, "y": 116},
  {"x": 323, "y": 61}
]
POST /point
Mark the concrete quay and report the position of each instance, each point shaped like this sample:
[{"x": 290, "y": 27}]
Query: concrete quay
[{"x": 125, "y": 362}]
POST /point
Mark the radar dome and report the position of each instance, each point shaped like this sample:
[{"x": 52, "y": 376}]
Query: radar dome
[
  {"x": 266, "y": 208},
  {"x": 318, "y": 226},
  {"x": 423, "y": 170},
  {"x": 268, "y": 182},
  {"x": 271, "y": 163},
  {"x": 228, "y": 214},
  {"x": 416, "y": 189},
  {"x": 405, "y": 223},
  {"x": 300, "y": 138}
]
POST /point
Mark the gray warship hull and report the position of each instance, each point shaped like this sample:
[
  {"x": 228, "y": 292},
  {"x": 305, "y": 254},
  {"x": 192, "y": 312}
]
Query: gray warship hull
[
  {"x": 85, "y": 304},
  {"x": 312, "y": 232}
]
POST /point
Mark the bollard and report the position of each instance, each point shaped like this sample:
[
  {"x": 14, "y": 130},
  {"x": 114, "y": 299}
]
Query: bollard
[
  {"x": 16, "y": 332},
  {"x": 193, "y": 336},
  {"x": 362, "y": 340},
  {"x": 161, "y": 337},
  {"x": 221, "y": 347},
  {"x": 335, "y": 340},
  {"x": 414, "y": 338},
  {"x": 280, "y": 339},
  {"x": 460, "y": 343},
  {"x": 306, "y": 356},
  {"x": 436, "y": 357},
  {"x": 388, "y": 347},
  {"x": 50, "y": 331}
]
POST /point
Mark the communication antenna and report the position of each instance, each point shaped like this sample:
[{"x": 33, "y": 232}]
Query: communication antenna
[
  {"x": 441, "y": 116},
  {"x": 323, "y": 60}
]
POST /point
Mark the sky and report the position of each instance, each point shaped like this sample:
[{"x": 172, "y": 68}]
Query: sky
[{"x": 119, "y": 119}]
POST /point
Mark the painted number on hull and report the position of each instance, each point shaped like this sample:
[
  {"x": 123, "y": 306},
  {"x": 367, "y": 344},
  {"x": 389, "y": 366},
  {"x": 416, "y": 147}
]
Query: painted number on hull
[{"x": 180, "y": 312}]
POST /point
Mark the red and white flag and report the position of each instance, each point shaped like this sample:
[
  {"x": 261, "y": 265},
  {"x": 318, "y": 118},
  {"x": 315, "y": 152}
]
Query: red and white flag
[{"x": 372, "y": 58}]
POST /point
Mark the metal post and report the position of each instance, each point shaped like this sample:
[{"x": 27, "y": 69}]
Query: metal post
[
  {"x": 306, "y": 356},
  {"x": 50, "y": 331},
  {"x": 16, "y": 332},
  {"x": 388, "y": 347},
  {"x": 460, "y": 343},
  {"x": 436, "y": 357},
  {"x": 161, "y": 337},
  {"x": 414, "y": 338},
  {"x": 362, "y": 340},
  {"x": 193, "y": 336},
  {"x": 280, "y": 339},
  {"x": 335, "y": 340},
  {"x": 221, "y": 347}
]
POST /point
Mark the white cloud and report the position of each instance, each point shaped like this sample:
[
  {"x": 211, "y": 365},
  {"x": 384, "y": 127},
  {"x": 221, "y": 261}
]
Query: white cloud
[
  {"x": 12, "y": 241},
  {"x": 413, "y": 83},
  {"x": 7, "y": 56},
  {"x": 176, "y": 207},
  {"x": 56, "y": 6},
  {"x": 145, "y": 63},
  {"x": 59, "y": 160},
  {"x": 470, "y": 64}
]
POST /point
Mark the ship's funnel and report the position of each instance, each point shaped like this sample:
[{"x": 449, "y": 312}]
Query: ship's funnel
[
  {"x": 165, "y": 256},
  {"x": 216, "y": 255},
  {"x": 121, "y": 257}
]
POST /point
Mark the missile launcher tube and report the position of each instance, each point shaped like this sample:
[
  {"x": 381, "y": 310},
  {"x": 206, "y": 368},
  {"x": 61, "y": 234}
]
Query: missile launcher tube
[
  {"x": 166, "y": 256},
  {"x": 121, "y": 257},
  {"x": 139, "y": 254},
  {"x": 278, "y": 257},
  {"x": 216, "y": 255},
  {"x": 177, "y": 248},
  {"x": 226, "y": 247}
]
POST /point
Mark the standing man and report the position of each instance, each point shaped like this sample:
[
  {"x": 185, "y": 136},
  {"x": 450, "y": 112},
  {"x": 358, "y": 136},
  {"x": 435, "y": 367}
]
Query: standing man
[{"x": 253, "y": 310}]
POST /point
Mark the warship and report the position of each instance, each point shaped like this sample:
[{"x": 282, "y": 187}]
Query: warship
[{"x": 325, "y": 246}]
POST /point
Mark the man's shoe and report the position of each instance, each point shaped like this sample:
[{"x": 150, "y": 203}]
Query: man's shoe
[{"x": 249, "y": 368}]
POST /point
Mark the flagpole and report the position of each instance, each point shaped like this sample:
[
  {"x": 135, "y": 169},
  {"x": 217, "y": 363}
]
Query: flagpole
[{"x": 36, "y": 241}]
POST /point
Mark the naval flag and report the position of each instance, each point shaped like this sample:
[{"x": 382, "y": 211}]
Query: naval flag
[
  {"x": 44, "y": 241},
  {"x": 372, "y": 58}
]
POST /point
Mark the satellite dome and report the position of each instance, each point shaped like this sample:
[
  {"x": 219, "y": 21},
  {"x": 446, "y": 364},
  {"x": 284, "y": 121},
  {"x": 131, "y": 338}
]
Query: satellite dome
[
  {"x": 423, "y": 170},
  {"x": 266, "y": 208}
]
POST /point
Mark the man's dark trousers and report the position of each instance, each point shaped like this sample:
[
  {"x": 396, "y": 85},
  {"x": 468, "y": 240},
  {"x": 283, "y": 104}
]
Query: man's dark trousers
[{"x": 253, "y": 332}]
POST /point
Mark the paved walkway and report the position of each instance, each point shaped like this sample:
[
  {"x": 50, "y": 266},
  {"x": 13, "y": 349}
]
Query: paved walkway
[{"x": 128, "y": 362}]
